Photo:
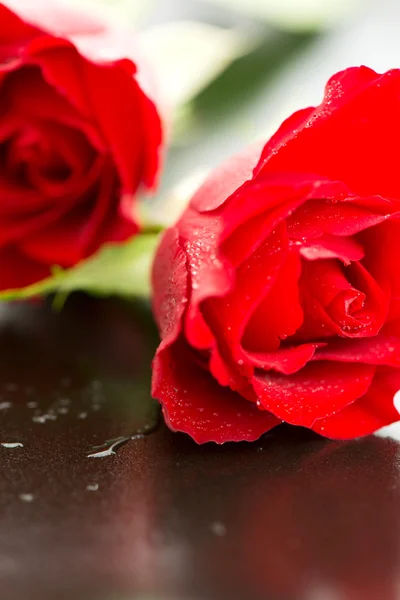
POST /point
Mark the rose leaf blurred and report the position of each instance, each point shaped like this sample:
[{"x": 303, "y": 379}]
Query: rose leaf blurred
[{"x": 117, "y": 270}]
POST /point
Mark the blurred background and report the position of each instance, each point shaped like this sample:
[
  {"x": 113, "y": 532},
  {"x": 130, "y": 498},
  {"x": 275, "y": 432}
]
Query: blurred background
[{"x": 232, "y": 70}]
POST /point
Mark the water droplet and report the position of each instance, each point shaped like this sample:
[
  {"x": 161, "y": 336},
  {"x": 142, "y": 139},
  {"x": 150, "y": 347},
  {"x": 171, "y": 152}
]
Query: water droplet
[
  {"x": 26, "y": 497},
  {"x": 4, "y": 405},
  {"x": 43, "y": 418},
  {"x": 240, "y": 361},
  {"x": 92, "y": 487},
  {"x": 11, "y": 444},
  {"x": 110, "y": 450},
  {"x": 218, "y": 528},
  {"x": 82, "y": 415}
]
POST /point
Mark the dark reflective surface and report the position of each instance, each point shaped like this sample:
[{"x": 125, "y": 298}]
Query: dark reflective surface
[{"x": 291, "y": 517}]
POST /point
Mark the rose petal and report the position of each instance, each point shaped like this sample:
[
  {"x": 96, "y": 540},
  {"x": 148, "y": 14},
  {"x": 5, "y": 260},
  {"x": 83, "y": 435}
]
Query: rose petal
[
  {"x": 351, "y": 299},
  {"x": 226, "y": 179},
  {"x": 14, "y": 33},
  {"x": 367, "y": 414},
  {"x": 18, "y": 270},
  {"x": 170, "y": 282},
  {"x": 209, "y": 275},
  {"x": 277, "y": 194},
  {"x": 347, "y": 249},
  {"x": 356, "y": 119},
  {"x": 317, "y": 323},
  {"x": 44, "y": 104},
  {"x": 319, "y": 217},
  {"x": 80, "y": 232},
  {"x": 284, "y": 360},
  {"x": 227, "y": 316},
  {"x": 133, "y": 132},
  {"x": 383, "y": 258},
  {"x": 278, "y": 315},
  {"x": 245, "y": 240},
  {"x": 379, "y": 350},
  {"x": 29, "y": 221},
  {"x": 318, "y": 390},
  {"x": 194, "y": 403}
]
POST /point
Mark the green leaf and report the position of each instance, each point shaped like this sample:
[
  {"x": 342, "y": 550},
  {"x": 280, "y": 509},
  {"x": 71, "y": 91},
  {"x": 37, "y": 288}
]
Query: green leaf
[{"x": 117, "y": 269}]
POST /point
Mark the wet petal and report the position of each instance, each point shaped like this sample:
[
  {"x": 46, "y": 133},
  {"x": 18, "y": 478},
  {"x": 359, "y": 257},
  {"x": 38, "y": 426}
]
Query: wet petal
[
  {"x": 227, "y": 317},
  {"x": 318, "y": 390},
  {"x": 284, "y": 360},
  {"x": 328, "y": 246},
  {"x": 378, "y": 350},
  {"x": 367, "y": 414},
  {"x": 170, "y": 287},
  {"x": 279, "y": 315},
  {"x": 355, "y": 125},
  {"x": 193, "y": 402}
]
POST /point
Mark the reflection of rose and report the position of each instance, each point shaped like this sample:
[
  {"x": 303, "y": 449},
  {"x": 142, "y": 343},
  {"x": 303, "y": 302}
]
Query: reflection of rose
[
  {"x": 78, "y": 136},
  {"x": 277, "y": 293},
  {"x": 328, "y": 527}
]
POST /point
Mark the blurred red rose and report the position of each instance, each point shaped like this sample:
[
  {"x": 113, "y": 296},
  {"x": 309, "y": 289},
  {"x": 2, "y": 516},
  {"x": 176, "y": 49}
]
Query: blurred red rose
[
  {"x": 78, "y": 137},
  {"x": 277, "y": 294}
]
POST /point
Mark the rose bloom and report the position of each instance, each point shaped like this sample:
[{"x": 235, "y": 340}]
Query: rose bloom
[
  {"x": 79, "y": 135},
  {"x": 277, "y": 294}
]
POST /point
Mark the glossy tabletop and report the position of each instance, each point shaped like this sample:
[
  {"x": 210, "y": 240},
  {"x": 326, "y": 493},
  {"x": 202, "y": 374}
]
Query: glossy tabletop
[{"x": 290, "y": 517}]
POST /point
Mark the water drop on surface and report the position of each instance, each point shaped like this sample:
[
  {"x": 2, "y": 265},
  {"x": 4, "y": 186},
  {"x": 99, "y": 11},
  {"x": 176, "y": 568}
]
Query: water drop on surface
[
  {"x": 11, "y": 444},
  {"x": 218, "y": 528},
  {"x": 110, "y": 450},
  {"x": 82, "y": 415},
  {"x": 26, "y": 497},
  {"x": 43, "y": 418},
  {"x": 92, "y": 487}
]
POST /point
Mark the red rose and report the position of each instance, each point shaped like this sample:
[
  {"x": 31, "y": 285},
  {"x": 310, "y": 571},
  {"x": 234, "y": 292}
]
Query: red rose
[
  {"x": 277, "y": 294},
  {"x": 78, "y": 136}
]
